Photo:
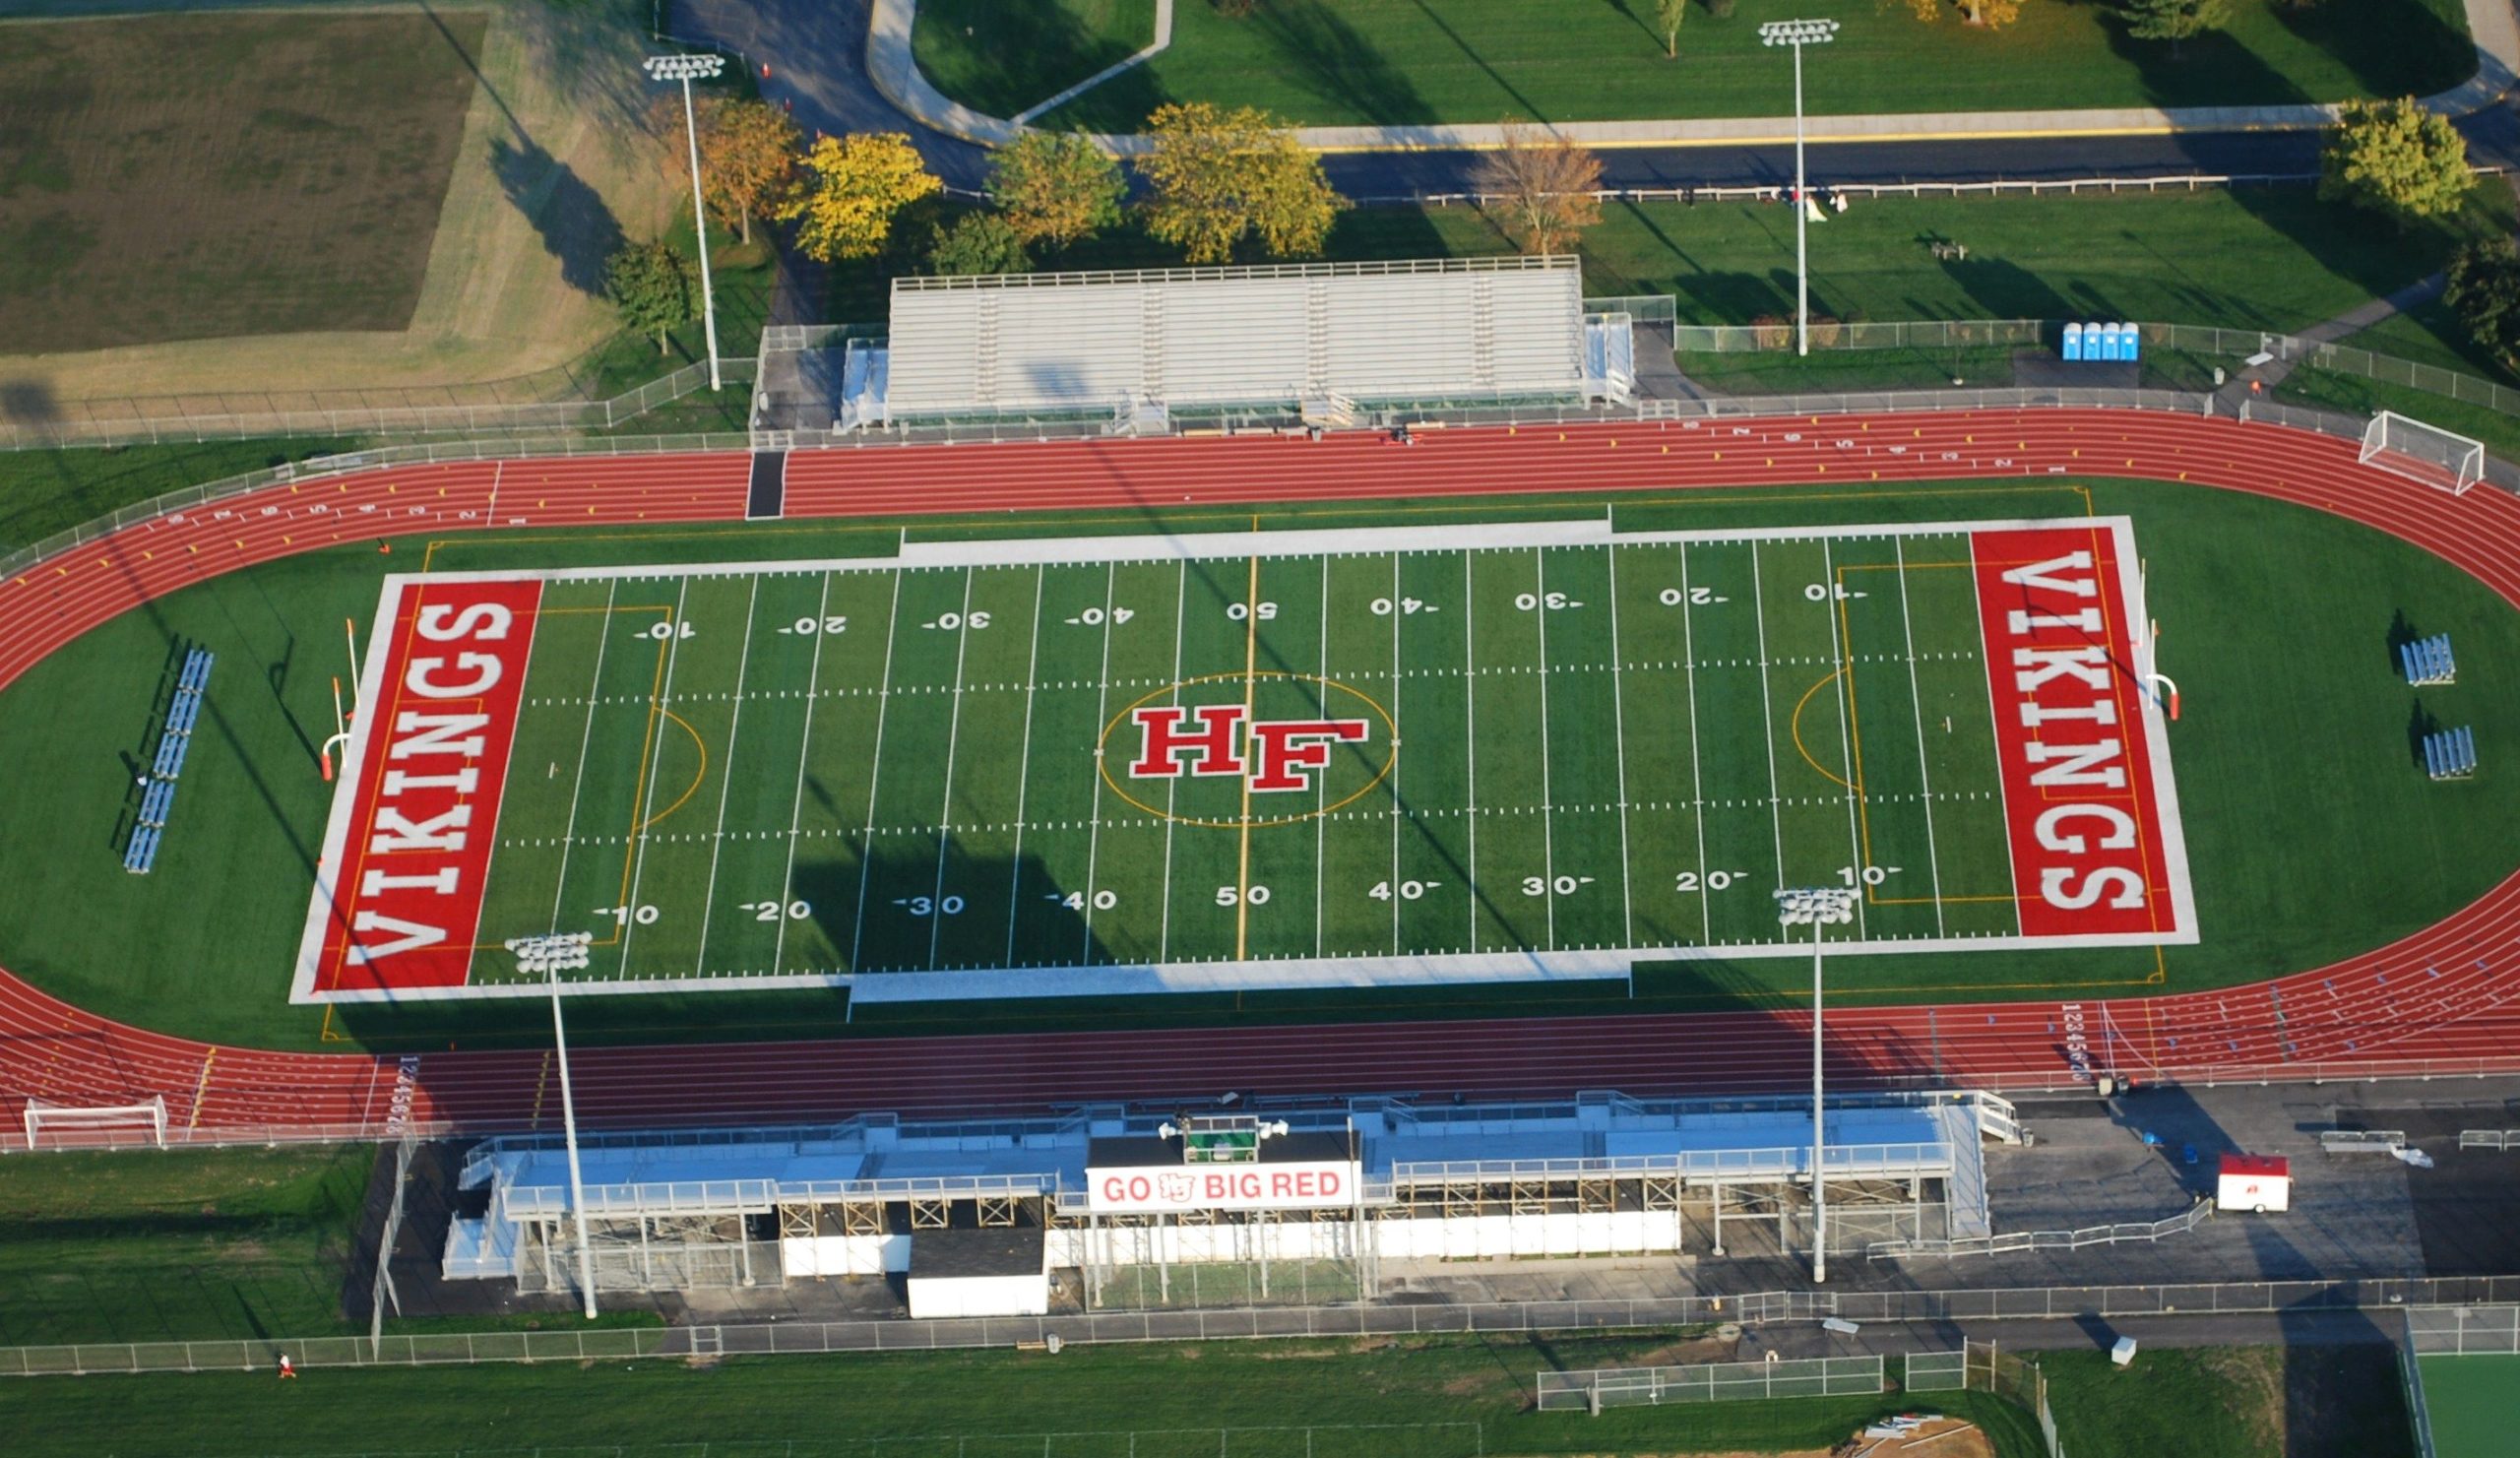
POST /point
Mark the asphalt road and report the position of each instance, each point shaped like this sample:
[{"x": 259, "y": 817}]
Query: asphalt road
[{"x": 817, "y": 50}]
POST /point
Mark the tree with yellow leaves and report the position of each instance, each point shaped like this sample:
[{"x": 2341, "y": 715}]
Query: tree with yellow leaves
[
  {"x": 747, "y": 155},
  {"x": 1544, "y": 188},
  {"x": 853, "y": 186},
  {"x": 1995, "y": 15},
  {"x": 1221, "y": 176}
]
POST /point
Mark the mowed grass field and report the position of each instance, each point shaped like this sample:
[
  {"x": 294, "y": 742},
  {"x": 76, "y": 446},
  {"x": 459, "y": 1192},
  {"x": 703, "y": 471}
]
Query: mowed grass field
[
  {"x": 2471, "y": 1404},
  {"x": 1572, "y": 748},
  {"x": 1399, "y": 62},
  {"x": 173, "y": 177},
  {"x": 2312, "y": 832}
]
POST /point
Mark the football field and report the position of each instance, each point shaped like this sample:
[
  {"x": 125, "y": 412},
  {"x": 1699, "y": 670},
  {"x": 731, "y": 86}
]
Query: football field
[{"x": 1242, "y": 760}]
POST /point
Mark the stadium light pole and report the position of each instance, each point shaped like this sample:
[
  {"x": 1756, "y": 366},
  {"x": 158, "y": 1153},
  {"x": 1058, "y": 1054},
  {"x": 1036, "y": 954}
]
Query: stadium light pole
[
  {"x": 569, "y": 1129},
  {"x": 1800, "y": 33},
  {"x": 1819, "y": 906},
  {"x": 683, "y": 68}
]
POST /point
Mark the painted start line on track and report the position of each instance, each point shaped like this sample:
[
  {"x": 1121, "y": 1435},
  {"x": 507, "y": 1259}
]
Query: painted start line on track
[{"x": 2091, "y": 817}]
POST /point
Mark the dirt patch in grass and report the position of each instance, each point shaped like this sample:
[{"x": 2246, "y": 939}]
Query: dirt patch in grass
[{"x": 196, "y": 176}]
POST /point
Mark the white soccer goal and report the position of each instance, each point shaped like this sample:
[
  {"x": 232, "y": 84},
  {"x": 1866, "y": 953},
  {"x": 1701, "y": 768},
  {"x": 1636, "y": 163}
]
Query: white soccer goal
[
  {"x": 96, "y": 1125},
  {"x": 2426, "y": 452}
]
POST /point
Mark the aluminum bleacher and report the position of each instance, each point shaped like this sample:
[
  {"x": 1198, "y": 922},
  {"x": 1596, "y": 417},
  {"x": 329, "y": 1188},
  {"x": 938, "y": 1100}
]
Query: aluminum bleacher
[{"x": 167, "y": 766}]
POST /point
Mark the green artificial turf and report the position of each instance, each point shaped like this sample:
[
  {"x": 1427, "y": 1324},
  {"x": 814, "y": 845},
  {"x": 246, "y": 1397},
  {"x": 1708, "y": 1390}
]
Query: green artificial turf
[
  {"x": 2278, "y": 622},
  {"x": 1401, "y": 62},
  {"x": 2472, "y": 1404},
  {"x": 1434, "y": 1397}
]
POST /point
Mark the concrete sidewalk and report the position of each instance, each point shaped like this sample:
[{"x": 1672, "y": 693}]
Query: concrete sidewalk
[{"x": 2490, "y": 23}]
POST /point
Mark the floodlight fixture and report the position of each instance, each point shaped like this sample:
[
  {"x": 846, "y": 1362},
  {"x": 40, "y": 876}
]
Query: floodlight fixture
[
  {"x": 685, "y": 66},
  {"x": 688, "y": 66},
  {"x": 1797, "y": 32}
]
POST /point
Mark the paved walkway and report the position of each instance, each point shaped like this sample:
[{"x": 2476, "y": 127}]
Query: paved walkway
[{"x": 2491, "y": 23}]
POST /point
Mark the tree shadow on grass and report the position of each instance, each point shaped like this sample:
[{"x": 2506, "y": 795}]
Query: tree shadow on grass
[
  {"x": 2373, "y": 253},
  {"x": 576, "y": 223},
  {"x": 2208, "y": 70},
  {"x": 2393, "y": 47},
  {"x": 1325, "y": 55}
]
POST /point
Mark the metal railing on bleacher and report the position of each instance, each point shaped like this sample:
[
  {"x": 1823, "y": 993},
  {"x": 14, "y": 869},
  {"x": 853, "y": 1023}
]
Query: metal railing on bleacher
[{"x": 167, "y": 766}]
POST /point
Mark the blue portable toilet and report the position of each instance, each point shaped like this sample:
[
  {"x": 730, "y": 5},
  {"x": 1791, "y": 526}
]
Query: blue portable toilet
[
  {"x": 2073, "y": 342},
  {"x": 2134, "y": 342},
  {"x": 2112, "y": 343}
]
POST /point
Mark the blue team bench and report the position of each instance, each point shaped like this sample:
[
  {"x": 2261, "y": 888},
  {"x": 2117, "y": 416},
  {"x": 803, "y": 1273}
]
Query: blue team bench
[
  {"x": 2450, "y": 754},
  {"x": 167, "y": 766},
  {"x": 2428, "y": 662}
]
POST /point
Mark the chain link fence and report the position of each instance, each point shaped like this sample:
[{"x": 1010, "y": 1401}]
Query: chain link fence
[
  {"x": 901, "y": 1334},
  {"x": 1594, "y": 1389}
]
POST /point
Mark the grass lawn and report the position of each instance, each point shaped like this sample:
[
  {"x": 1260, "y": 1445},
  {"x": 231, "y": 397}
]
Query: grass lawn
[
  {"x": 2285, "y": 663},
  {"x": 1377, "y": 1398},
  {"x": 2233, "y": 1402},
  {"x": 2271, "y": 258},
  {"x": 176, "y": 177},
  {"x": 46, "y": 492},
  {"x": 1003, "y": 56},
  {"x": 116, "y": 1247},
  {"x": 1397, "y": 62}
]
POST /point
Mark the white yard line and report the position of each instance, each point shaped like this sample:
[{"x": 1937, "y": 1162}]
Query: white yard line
[
  {"x": 1398, "y": 810},
  {"x": 1697, "y": 786},
  {"x": 639, "y": 832},
  {"x": 1547, "y": 815},
  {"x": 1766, "y": 711},
  {"x": 1618, "y": 720},
  {"x": 576, "y": 785},
  {"x": 1101, "y": 712},
  {"x": 1172, "y": 785},
  {"x": 804, "y": 742},
  {"x": 874, "y": 777},
  {"x": 727, "y": 785},
  {"x": 1469, "y": 735},
  {"x": 1321, "y": 783},
  {"x": 1915, "y": 703},
  {"x": 945, "y": 803},
  {"x": 1987, "y": 671},
  {"x": 1839, "y": 651},
  {"x": 1023, "y": 764}
]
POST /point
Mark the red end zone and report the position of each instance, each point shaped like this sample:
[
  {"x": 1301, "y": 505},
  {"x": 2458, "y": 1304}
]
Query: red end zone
[
  {"x": 398, "y": 898},
  {"x": 2082, "y": 808}
]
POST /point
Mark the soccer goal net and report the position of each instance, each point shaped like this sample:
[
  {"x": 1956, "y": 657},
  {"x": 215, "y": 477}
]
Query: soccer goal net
[
  {"x": 2425, "y": 453},
  {"x": 95, "y": 1125}
]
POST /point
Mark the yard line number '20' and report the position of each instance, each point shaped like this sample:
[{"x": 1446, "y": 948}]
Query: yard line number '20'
[{"x": 771, "y": 911}]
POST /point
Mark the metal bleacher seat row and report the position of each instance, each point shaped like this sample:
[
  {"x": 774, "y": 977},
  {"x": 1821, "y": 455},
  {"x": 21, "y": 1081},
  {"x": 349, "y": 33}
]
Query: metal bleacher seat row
[
  {"x": 2450, "y": 754},
  {"x": 166, "y": 765},
  {"x": 2428, "y": 662}
]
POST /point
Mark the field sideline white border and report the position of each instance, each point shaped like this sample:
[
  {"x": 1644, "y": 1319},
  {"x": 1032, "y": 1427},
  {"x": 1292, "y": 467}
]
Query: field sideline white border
[{"x": 1226, "y": 975}]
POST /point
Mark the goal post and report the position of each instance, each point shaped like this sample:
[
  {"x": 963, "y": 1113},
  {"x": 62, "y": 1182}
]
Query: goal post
[
  {"x": 96, "y": 1125},
  {"x": 2408, "y": 446}
]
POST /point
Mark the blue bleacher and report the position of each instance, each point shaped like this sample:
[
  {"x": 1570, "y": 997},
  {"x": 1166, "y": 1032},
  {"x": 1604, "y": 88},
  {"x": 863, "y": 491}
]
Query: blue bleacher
[
  {"x": 2428, "y": 660},
  {"x": 2450, "y": 754},
  {"x": 167, "y": 766}
]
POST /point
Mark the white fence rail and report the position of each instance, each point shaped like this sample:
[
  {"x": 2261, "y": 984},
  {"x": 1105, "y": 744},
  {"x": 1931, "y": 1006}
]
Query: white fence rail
[
  {"x": 2463, "y": 1331},
  {"x": 2018, "y": 1241},
  {"x": 1717, "y": 1381}
]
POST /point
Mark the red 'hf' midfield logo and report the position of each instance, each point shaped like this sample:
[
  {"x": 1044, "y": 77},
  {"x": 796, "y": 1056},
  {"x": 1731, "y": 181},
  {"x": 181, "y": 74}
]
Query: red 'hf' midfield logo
[{"x": 1272, "y": 754}]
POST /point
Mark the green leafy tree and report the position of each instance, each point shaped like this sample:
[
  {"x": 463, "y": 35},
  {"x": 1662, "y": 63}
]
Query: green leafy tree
[
  {"x": 1667, "y": 15},
  {"x": 1218, "y": 178},
  {"x": 2397, "y": 158},
  {"x": 2175, "y": 21},
  {"x": 2485, "y": 292},
  {"x": 853, "y": 186},
  {"x": 1995, "y": 15},
  {"x": 1056, "y": 187},
  {"x": 979, "y": 243},
  {"x": 654, "y": 286}
]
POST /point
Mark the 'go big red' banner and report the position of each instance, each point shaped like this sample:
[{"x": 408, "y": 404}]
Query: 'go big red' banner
[{"x": 1143, "y": 1190}]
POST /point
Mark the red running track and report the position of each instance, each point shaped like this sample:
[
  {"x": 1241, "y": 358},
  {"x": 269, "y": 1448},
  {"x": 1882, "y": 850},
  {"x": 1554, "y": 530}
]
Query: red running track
[{"x": 2439, "y": 1001}]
